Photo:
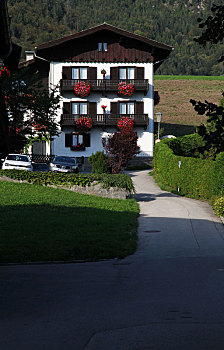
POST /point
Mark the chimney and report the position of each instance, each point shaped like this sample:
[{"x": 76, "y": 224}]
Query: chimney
[{"x": 29, "y": 55}]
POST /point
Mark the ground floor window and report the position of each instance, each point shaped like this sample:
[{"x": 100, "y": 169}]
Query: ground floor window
[{"x": 77, "y": 139}]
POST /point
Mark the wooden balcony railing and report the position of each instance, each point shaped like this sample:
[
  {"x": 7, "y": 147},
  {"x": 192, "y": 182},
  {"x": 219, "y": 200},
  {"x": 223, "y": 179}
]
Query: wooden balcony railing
[
  {"x": 104, "y": 85},
  {"x": 104, "y": 119}
]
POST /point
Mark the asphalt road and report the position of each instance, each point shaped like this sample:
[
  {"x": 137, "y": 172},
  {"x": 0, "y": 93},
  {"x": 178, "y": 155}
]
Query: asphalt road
[{"x": 167, "y": 296}]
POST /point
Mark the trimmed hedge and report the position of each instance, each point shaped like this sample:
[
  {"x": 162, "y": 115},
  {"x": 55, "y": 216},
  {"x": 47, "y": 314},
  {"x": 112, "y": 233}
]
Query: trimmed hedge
[
  {"x": 219, "y": 206},
  {"x": 187, "y": 146},
  {"x": 50, "y": 178},
  {"x": 195, "y": 177}
]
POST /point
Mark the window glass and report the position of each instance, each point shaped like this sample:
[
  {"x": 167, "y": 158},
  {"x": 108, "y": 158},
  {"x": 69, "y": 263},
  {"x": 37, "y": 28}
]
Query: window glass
[
  {"x": 83, "y": 108},
  {"x": 83, "y": 73},
  {"x": 80, "y": 139},
  {"x": 122, "y": 73},
  {"x": 75, "y": 108},
  {"x": 100, "y": 47},
  {"x": 104, "y": 46},
  {"x": 75, "y": 73},
  {"x": 130, "y": 108},
  {"x": 123, "y": 108},
  {"x": 74, "y": 140},
  {"x": 131, "y": 73}
]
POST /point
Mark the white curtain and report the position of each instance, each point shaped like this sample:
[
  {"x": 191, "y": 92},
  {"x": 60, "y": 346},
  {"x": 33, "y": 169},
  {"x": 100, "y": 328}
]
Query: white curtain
[
  {"x": 75, "y": 108},
  {"x": 131, "y": 73},
  {"x": 83, "y": 73},
  {"x": 123, "y": 108},
  {"x": 83, "y": 108},
  {"x": 122, "y": 73},
  {"x": 130, "y": 108},
  {"x": 75, "y": 73}
]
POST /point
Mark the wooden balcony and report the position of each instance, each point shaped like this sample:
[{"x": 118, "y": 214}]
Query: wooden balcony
[
  {"x": 104, "y": 85},
  {"x": 104, "y": 119}
]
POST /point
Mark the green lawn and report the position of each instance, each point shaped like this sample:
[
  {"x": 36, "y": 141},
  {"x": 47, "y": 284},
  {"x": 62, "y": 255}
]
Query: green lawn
[
  {"x": 41, "y": 224},
  {"x": 188, "y": 77}
]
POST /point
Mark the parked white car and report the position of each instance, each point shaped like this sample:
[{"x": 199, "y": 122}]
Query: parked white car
[
  {"x": 18, "y": 162},
  {"x": 62, "y": 164}
]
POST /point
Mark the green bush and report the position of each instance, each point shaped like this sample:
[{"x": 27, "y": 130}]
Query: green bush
[
  {"x": 195, "y": 177},
  {"x": 68, "y": 180},
  {"x": 187, "y": 146},
  {"x": 219, "y": 206},
  {"x": 100, "y": 163}
]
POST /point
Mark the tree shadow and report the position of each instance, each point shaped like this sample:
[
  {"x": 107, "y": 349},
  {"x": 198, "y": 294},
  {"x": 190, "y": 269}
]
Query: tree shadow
[{"x": 53, "y": 232}]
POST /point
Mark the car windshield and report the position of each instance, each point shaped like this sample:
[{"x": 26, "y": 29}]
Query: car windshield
[
  {"x": 17, "y": 157},
  {"x": 64, "y": 160}
]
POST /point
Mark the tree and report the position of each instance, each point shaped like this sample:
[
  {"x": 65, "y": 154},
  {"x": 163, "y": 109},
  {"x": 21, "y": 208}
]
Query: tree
[
  {"x": 27, "y": 110},
  {"x": 214, "y": 24},
  {"x": 121, "y": 146},
  {"x": 213, "y": 131}
]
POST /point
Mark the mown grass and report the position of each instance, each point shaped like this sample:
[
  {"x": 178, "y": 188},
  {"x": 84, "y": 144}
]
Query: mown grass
[
  {"x": 188, "y": 77},
  {"x": 43, "y": 224}
]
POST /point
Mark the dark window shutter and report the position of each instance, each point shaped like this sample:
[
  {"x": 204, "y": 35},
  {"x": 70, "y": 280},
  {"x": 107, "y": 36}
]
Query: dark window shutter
[
  {"x": 114, "y": 107},
  {"x": 92, "y": 107},
  {"x": 66, "y": 73},
  {"x": 114, "y": 73},
  {"x": 86, "y": 140},
  {"x": 92, "y": 73},
  {"x": 68, "y": 140},
  {"x": 67, "y": 108},
  {"x": 139, "y": 107},
  {"x": 140, "y": 72}
]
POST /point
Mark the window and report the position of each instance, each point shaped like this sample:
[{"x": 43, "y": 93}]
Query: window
[
  {"x": 127, "y": 108},
  {"x": 77, "y": 139},
  {"x": 127, "y": 73},
  {"x": 79, "y": 108},
  {"x": 73, "y": 139},
  {"x": 79, "y": 73},
  {"x": 102, "y": 46}
]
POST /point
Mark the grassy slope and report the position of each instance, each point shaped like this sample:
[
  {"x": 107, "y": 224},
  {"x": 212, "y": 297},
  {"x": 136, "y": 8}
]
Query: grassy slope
[
  {"x": 175, "y": 92},
  {"x": 42, "y": 224}
]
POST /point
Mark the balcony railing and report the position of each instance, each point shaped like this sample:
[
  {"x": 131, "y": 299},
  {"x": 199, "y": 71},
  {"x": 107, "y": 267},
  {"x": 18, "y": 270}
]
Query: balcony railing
[
  {"x": 104, "y": 85},
  {"x": 104, "y": 119}
]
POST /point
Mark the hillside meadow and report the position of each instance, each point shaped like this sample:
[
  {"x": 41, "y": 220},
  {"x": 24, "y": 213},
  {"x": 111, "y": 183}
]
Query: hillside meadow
[{"x": 179, "y": 117}]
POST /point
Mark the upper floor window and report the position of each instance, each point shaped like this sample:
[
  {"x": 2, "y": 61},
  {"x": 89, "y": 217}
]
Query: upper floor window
[
  {"x": 126, "y": 73},
  {"x": 127, "y": 108},
  {"x": 102, "y": 46},
  {"x": 79, "y": 108},
  {"x": 79, "y": 73}
]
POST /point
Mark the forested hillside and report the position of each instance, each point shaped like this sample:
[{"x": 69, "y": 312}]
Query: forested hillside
[{"x": 169, "y": 21}]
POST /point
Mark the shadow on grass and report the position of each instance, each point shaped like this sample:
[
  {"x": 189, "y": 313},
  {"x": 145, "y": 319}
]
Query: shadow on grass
[{"x": 47, "y": 232}]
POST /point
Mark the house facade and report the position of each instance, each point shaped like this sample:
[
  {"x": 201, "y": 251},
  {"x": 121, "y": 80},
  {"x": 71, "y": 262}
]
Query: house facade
[{"x": 115, "y": 68}]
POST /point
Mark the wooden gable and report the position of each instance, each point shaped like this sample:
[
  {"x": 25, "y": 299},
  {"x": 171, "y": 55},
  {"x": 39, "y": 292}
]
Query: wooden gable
[{"x": 122, "y": 46}]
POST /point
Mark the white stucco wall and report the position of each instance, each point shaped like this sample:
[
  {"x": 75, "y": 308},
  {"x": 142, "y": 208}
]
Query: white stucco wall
[{"x": 146, "y": 138}]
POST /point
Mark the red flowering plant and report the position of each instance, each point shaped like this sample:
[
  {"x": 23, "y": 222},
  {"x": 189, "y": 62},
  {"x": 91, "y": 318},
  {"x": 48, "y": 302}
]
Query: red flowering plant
[
  {"x": 39, "y": 127},
  {"x": 103, "y": 108},
  {"x": 125, "y": 124},
  {"x": 78, "y": 147},
  {"x": 4, "y": 72},
  {"x": 82, "y": 88},
  {"x": 125, "y": 89},
  {"x": 84, "y": 124}
]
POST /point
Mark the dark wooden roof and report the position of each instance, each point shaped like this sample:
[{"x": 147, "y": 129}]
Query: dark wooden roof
[
  {"x": 99, "y": 28},
  {"x": 124, "y": 47}
]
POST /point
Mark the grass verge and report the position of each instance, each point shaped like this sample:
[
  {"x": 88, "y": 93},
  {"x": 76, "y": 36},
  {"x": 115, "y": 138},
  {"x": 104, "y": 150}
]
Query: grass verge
[
  {"x": 43, "y": 224},
  {"x": 188, "y": 77}
]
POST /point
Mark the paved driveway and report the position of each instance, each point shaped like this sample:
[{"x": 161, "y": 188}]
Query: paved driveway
[{"x": 167, "y": 296}]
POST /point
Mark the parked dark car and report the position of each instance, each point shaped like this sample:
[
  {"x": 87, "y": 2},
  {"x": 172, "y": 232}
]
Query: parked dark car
[{"x": 63, "y": 164}]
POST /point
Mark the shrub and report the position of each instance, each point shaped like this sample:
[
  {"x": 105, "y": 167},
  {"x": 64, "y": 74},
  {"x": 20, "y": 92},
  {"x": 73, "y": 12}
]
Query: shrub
[
  {"x": 68, "y": 180},
  {"x": 219, "y": 206},
  {"x": 187, "y": 146},
  {"x": 195, "y": 177},
  {"x": 100, "y": 163}
]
